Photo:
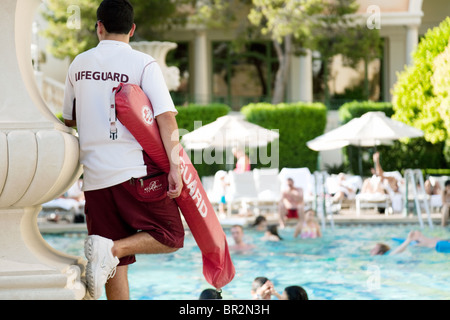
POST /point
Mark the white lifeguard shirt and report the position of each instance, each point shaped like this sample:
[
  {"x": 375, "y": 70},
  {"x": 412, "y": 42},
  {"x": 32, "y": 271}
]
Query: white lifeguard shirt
[{"x": 90, "y": 80}]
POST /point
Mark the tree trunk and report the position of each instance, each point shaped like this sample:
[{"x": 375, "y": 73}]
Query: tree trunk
[{"x": 284, "y": 58}]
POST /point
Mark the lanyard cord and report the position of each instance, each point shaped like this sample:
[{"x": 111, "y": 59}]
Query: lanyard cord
[{"x": 113, "y": 116}]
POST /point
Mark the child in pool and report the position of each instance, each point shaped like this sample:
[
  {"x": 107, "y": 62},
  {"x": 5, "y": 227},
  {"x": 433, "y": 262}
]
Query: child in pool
[{"x": 309, "y": 228}]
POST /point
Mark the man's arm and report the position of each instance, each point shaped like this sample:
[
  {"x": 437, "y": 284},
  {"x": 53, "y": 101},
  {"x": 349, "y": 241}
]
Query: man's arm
[
  {"x": 70, "y": 123},
  {"x": 168, "y": 129}
]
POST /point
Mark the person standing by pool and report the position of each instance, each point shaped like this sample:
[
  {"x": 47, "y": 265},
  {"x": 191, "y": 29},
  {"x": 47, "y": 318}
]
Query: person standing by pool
[
  {"x": 291, "y": 203},
  {"x": 119, "y": 225},
  {"x": 242, "y": 161}
]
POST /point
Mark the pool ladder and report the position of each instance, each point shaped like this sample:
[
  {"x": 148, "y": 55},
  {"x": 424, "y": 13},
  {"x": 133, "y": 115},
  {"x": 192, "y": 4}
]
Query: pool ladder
[
  {"x": 413, "y": 176},
  {"x": 320, "y": 198}
]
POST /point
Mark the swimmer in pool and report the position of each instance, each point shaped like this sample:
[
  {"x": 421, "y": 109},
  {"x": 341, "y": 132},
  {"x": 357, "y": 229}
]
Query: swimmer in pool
[
  {"x": 237, "y": 232},
  {"x": 421, "y": 241}
]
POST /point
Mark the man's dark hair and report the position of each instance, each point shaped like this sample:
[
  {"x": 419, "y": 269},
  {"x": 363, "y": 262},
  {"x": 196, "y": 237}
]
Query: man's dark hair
[{"x": 116, "y": 15}]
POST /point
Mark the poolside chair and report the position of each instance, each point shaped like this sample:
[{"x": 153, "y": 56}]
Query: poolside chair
[
  {"x": 390, "y": 200},
  {"x": 436, "y": 199},
  {"x": 208, "y": 185},
  {"x": 242, "y": 193},
  {"x": 352, "y": 181},
  {"x": 268, "y": 188}
]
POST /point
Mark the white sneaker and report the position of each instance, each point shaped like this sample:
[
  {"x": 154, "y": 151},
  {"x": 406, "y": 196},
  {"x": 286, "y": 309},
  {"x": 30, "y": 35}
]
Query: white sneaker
[{"x": 101, "y": 263}]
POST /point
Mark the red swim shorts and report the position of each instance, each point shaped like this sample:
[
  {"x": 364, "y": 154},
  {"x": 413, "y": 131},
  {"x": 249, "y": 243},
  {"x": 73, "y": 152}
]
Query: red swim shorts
[
  {"x": 292, "y": 213},
  {"x": 114, "y": 213}
]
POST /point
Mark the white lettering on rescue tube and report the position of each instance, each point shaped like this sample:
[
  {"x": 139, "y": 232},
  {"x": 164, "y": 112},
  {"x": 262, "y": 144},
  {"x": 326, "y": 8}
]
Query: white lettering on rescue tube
[{"x": 194, "y": 192}]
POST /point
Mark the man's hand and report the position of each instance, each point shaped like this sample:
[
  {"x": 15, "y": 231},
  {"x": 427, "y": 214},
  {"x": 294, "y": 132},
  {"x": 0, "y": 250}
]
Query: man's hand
[{"x": 175, "y": 183}]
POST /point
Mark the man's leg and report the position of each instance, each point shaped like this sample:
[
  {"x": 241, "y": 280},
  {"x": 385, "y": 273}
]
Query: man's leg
[
  {"x": 282, "y": 212},
  {"x": 117, "y": 287},
  {"x": 445, "y": 212},
  {"x": 139, "y": 243}
]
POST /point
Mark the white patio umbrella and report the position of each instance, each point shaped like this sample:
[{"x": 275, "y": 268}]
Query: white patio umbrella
[
  {"x": 371, "y": 129},
  {"x": 227, "y": 132}
]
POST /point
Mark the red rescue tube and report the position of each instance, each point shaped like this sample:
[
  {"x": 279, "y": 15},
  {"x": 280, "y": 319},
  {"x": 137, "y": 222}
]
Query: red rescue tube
[{"x": 135, "y": 112}]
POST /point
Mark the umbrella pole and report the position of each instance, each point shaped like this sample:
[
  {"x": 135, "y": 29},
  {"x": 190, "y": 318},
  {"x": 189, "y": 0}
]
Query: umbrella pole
[{"x": 360, "y": 162}]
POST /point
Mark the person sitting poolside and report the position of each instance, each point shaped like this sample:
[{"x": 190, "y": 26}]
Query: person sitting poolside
[{"x": 346, "y": 189}]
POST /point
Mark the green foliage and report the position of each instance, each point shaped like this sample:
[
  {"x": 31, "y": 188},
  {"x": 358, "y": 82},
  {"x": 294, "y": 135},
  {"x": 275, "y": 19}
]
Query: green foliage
[
  {"x": 356, "y": 109},
  {"x": 188, "y": 115},
  {"x": 71, "y": 23},
  {"x": 441, "y": 85},
  {"x": 297, "y": 124},
  {"x": 413, "y": 95},
  {"x": 71, "y": 26}
]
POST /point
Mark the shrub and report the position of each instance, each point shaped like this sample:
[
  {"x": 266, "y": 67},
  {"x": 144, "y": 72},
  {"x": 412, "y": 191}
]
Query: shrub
[
  {"x": 356, "y": 109},
  {"x": 205, "y": 113},
  {"x": 413, "y": 95},
  {"x": 297, "y": 124}
]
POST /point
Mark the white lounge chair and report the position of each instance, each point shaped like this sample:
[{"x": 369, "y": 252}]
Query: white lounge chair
[
  {"x": 390, "y": 200},
  {"x": 242, "y": 192},
  {"x": 268, "y": 188}
]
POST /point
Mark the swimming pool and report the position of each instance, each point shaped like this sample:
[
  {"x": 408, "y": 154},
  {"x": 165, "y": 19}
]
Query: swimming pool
[{"x": 336, "y": 266}]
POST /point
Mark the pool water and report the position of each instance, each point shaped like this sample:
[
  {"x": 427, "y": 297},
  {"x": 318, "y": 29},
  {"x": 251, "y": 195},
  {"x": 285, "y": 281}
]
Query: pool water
[{"x": 336, "y": 266}]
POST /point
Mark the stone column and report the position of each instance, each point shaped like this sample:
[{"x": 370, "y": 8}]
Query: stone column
[
  {"x": 412, "y": 41},
  {"x": 38, "y": 162},
  {"x": 201, "y": 68},
  {"x": 301, "y": 78}
]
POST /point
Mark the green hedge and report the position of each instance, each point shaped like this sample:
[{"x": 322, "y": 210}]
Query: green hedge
[
  {"x": 356, "y": 109},
  {"x": 187, "y": 115},
  {"x": 416, "y": 153},
  {"x": 297, "y": 124}
]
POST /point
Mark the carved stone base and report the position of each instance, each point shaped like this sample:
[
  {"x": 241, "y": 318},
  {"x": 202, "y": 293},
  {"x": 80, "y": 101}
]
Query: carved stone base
[{"x": 29, "y": 267}]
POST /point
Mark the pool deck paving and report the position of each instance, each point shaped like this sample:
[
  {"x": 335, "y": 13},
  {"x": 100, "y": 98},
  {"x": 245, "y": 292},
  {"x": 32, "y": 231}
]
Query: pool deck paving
[{"x": 344, "y": 217}]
